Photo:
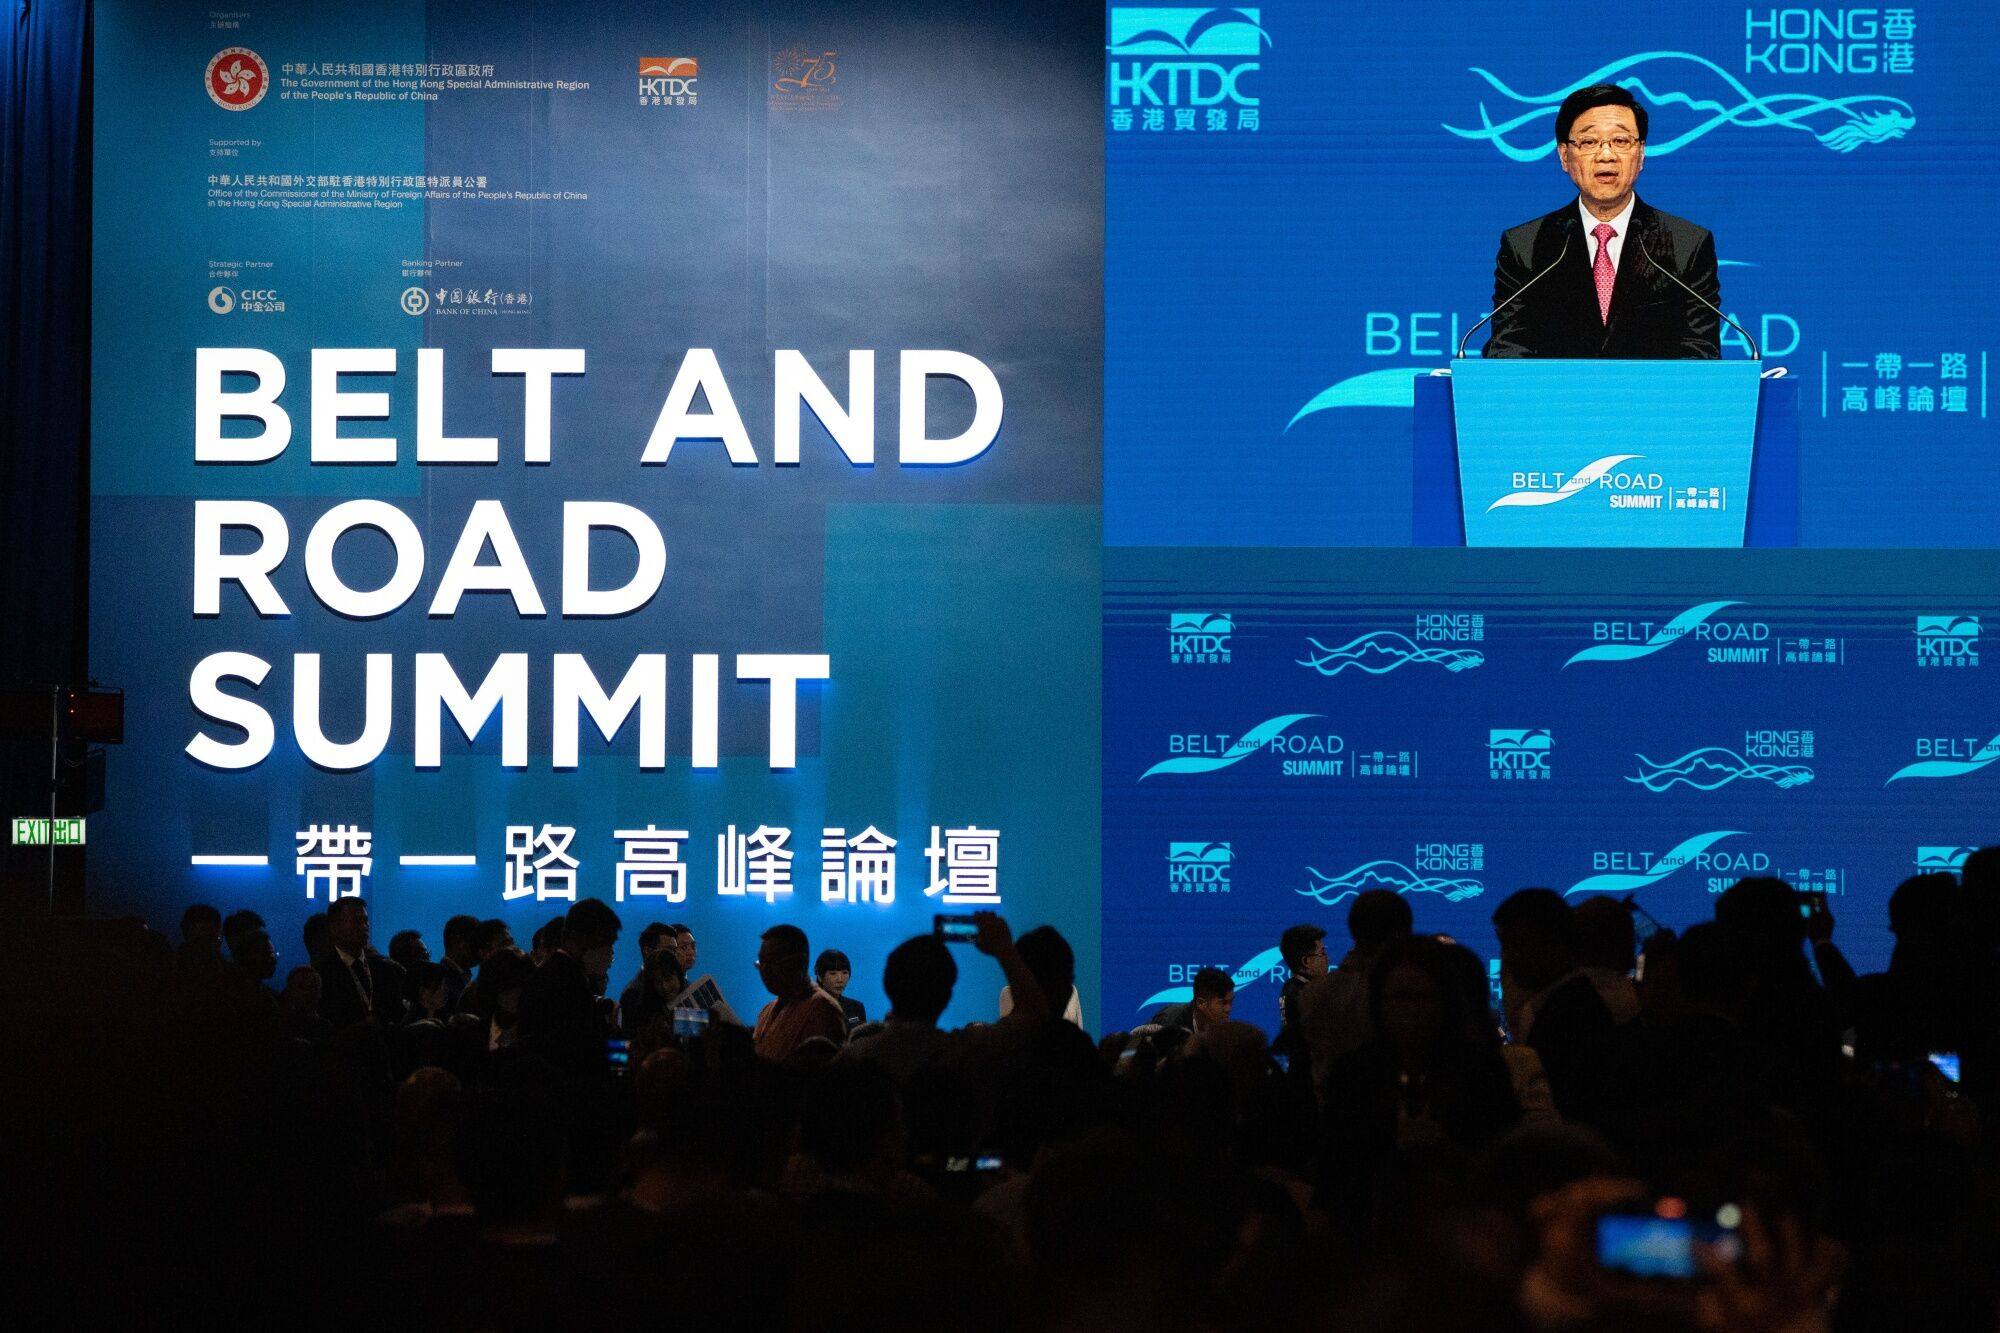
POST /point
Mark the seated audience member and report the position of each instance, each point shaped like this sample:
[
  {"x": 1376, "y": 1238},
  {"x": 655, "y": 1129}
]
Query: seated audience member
[
  {"x": 461, "y": 956},
  {"x": 1430, "y": 1073},
  {"x": 313, "y": 936},
  {"x": 1072, "y": 1012},
  {"x": 918, "y": 978},
  {"x": 200, "y": 922},
  {"x": 358, "y": 986},
  {"x": 1607, "y": 949},
  {"x": 429, "y": 992},
  {"x": 251, "y": 955},
  {"x": 545, "y": 941},
  {"x": 1555, "y": 1008},
  {"x": 560, "y": 1018},
  {"x": 1303, "y": 947},
  {"x": 238, "y": 923},
  {"x": 685, "y": 947},
  {"x": 1335, "y": 1008},
  {"x": 298, "y": 1007},
  {"x": 1214, "y": 997},
  {"x": 832, "y": 972},
  {"x": 493, "y": 939},
  {"x": 1921, "y": 1002},
  {"x": 503, "y": 981},
  {"x": 798, "y": 1010},
  {"x": 407, "y": 949},
  {"x": 651, "y": 997},
  {"x": 1787, "y": 1013},
  {"x": 656, "y": 935}
]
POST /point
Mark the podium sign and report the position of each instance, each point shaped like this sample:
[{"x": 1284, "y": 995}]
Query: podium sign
[{"x": 1605, "y": 453}]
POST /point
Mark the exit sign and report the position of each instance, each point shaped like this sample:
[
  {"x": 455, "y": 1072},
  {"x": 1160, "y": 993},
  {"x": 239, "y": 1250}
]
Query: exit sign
[{"x": 36, "y": 833}]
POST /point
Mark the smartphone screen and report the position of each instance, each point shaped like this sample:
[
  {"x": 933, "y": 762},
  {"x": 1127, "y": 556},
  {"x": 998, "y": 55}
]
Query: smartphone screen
[
  {"x": 955, "y": 929},
  {"x": 1646, "y": 1246}
]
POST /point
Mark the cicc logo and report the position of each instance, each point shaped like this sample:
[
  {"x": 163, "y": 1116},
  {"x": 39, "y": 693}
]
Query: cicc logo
[
  {"x": 1942, "y": 860},
  {"x": 237, "y": 78},
  {"x": 667, "y": 80},
  {"x": 1629, "y": 640},
  {"x": 1268, "y": 964},
  {"x": 1385, "y": 650},
  {"x": 1947, "y": 641},
  {"x": 1518, "y": 753},
  {"x": 1331, "y": 890},
  {"x": 1626, "y": 872},
  {"x": 1714, "y": 766},
  {"x": 1948, "y": 757},
  {"x": 1194, "y": 63},
  {"x": 221, "y": 300},
  {"x": 1694, "y": 97},
  {"x": 1199, "y": 637},
  {"x": 1199, "y": 867},
  {"x": 1307, "y": 755}
]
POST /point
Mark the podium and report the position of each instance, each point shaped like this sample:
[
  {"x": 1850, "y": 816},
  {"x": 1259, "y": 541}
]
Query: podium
[{"x": 1528, "y": 452}]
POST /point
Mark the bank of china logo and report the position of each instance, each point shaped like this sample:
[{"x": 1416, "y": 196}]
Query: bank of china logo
[
  {"x": 1199, "y": 637},
  {"x": 1332, "y": 890},
  {"x": 1384, "y": 651},
  {"x": 1591, "y": 474},
  {"x": 667, "y": 80},
  {"x": 1269, "y": 735},
  {"x": 1678, "y": 857},
  {"x": 1666, "y": 636},
  {"x": 1199, "y": 867},
  {"x": 221, "y": 300},
  {"x": 1267, "y": 964},
  {"x": 1948, "y": 758},
  {"x": 414, "y": 300},
  {"x": 1942, "y": 860},
  {"x": 237, "y": 78},
  {"x": 1947, "y": 641},
  {"x": 1670, "y": 81},
  {"x": 1715, "y": 766},
  {"x": 1517, "y": 753}
]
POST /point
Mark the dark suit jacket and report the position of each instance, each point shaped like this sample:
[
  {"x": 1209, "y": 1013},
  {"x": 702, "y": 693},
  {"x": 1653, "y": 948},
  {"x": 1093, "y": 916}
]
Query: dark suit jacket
[
  {"x": 1652, "y": 319},
  {"x": 340, "y": 996}
]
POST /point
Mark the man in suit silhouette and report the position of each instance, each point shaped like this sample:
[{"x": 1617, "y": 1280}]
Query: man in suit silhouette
[
  {"x": 356, "y": 985},
  {"x": 1606, "y": 275}
]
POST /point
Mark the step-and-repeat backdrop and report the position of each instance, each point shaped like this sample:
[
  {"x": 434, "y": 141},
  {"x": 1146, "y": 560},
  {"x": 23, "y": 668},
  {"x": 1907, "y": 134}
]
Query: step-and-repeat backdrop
[
  {"x": 553, "y": 450},
  {"x": 1303, "y": 205}
]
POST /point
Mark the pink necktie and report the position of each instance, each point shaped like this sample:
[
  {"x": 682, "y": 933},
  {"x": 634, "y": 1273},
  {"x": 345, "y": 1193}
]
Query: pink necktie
[{"x": 1602, "y": 270}]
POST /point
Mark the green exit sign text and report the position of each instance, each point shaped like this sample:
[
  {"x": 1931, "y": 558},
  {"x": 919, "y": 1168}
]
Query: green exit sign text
[{"x": 31, "y": 832}]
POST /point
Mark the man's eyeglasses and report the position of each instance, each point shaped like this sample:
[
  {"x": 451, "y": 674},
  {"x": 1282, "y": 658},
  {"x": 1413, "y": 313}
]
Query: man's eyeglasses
[{"x": 1621, "y": 144}]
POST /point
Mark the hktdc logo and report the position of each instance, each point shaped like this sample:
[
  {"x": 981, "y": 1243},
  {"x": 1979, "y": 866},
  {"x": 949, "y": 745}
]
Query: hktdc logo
[
  {"x": 237, "y": 78},
  {"x": 1199, "y": 867},
  {"x": 1947, "y": 641},
  {"x": 1194, "y": 63},
  {"x": 1199, "y": 637},
  {"x": 667, "y": 80},
  {"x": 1518, "y": 754}
]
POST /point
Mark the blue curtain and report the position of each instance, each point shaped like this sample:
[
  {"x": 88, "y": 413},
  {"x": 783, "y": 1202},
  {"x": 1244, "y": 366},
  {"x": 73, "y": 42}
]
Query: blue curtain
[{"x": 44, "y": 380}]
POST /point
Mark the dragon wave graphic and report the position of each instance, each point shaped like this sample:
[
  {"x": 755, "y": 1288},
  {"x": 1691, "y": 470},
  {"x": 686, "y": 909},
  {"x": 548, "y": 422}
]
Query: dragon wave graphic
[
  {"x": 1577, "y": 483},
  {"x": 1841, "y": 124},
  {"x": 1242, "y": 748},
  {"x": 1258, "y": 967},
  {"x": 1383, "y": 651},
  {"x": 1664, "y": 637},
  {"x": 1714, "y": 766},
  {"x": 1681, "y": 854},
  {"x": 1329, "y": 890},
  {"x": 1949, "y": 768}
]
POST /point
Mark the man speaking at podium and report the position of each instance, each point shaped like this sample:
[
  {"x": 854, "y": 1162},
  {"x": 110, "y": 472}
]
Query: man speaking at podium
[{"x": 1606, "y": 275}]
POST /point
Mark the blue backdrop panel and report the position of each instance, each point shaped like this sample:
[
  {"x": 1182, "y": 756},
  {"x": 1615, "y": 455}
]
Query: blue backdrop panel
[
  {"x": 633, "y": 182},
  {"x": 1286, "y": 728},
  {"x": 1305, "y": 200}
]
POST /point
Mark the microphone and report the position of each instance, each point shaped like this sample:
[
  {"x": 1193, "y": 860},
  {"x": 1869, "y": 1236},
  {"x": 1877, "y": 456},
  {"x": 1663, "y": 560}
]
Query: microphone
[
  {"x": 1756, "y": 353},
  {"x": 1518, "y": 291}
]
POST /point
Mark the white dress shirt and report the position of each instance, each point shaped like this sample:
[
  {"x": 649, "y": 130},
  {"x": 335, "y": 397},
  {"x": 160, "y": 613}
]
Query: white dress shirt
[{"x": 1619, "y": 225}]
